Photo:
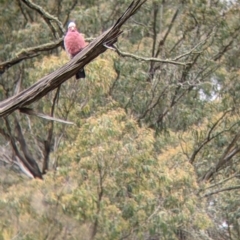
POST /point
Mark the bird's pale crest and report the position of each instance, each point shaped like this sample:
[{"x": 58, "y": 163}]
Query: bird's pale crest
[{"x": 71, "y": 24}]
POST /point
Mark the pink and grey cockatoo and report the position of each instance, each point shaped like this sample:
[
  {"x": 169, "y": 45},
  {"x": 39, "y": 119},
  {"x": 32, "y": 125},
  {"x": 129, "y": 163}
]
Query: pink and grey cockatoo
[{"x": 74, "y": 43}]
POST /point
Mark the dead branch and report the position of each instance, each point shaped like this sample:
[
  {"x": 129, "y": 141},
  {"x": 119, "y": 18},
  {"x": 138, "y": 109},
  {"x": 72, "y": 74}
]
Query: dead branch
[
  {"x": 151, "y": 59},
  {"x": 56, "y": 78},
  {"x": 31, "y": 112}
]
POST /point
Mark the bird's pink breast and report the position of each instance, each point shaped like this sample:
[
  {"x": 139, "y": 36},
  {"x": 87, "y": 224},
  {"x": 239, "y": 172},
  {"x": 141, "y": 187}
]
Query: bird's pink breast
[{"x": 74, "y": 42}]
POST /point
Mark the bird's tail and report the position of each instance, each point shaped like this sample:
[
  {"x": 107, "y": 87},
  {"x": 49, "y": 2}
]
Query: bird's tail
[{"x": 80, "y": 74}]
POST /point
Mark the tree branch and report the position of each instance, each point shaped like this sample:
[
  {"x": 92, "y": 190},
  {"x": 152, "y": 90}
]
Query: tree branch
[
  {"x": 227, "y": 155},
  {"x": 31, "y": 112},
  {"x": 222, "y": 190},
  {"x": 162, "y": 41},
  {"x": 69, "y": 11},
  {"x": 30, "y": 166},
  {"x": 235, "y": 175},
  {"x": 28, "y": 156},
  {"x": 155, "y": 13},
  {"x": 208, "y": 138},
  {"x": 23, "y": 13},
  {"x": 151, "y": 59},
  {"x": 48, "y": 141},
  {"x": 228, "y": 46}
]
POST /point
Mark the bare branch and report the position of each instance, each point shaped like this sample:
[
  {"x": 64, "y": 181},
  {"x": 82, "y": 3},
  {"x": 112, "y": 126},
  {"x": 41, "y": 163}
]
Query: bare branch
[
  {"x": 47, "y": 143},
  {"x": 151, "y": 59},
  {"x": 21, "y": 9},
  {"x": 26, "y": 152},
  {"x": 155, "y": 13},
  {"x": 222, "y": 190},
  {"x": 191, "y": 51},
  {"x": 152, "y": 104},
  {"x": 175, "y": 100},
  {"x": 227, "y": 155},
  {"x": 162, "y": 41},
  {"x": 69, "y": 11},
  {"x": 220, "y": 182},
  {"x": 228, "y": 46},
  {"x": 23, "y": 168},
  {"x": 32, "y": 165},
  {"x": 30, "y": 111},
  {"x": 208, "y": 138}
]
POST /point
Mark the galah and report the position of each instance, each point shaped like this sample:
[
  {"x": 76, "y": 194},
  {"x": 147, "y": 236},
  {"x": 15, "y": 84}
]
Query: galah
[{"x": 74, "y": 43}]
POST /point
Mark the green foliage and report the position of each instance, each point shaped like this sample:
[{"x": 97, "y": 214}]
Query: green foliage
[
  {"x": 110, "y": 178},
  {"x": 154, "y": 152}
]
